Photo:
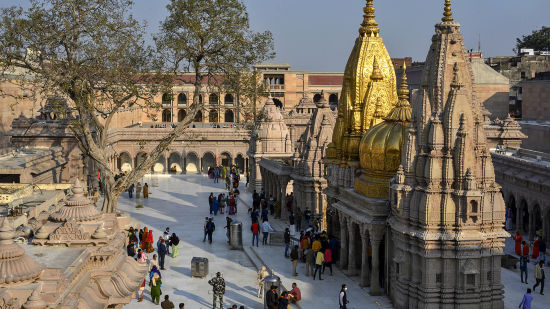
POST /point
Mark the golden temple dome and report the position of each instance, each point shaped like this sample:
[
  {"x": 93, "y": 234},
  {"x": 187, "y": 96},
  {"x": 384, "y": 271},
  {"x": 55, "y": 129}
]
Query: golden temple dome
[{"x": 381, "y": 147}]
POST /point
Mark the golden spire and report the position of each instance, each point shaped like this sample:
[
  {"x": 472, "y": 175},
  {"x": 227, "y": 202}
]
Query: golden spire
[
  {"x": 376, "y": 73},
  {"x": 403, "y": 92},
  {"x": 402, "y": 110},
  {"x": 378, "y": 110},
  {"x": 369, "y": 25},
  {"x": 448, "y": 14}
]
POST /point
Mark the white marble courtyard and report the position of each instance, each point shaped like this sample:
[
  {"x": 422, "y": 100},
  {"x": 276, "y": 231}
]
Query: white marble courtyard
[{"x": 181, "y": 203}]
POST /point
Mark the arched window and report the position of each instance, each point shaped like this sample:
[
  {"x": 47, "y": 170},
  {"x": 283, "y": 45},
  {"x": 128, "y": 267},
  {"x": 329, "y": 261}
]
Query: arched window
[
  {"x": 228, "y": 99},
  {"x": 213, "y": 116},
  {"x": 167, "y": 99},
  {"x": 198, "y": 116},
  {"x": 316, "y": 98},
  {"x": 166, "y": 115},
  {"x": 181, "y": 115},
  {"x": 182, "y": 99},
  {"x": 213, "y": 99},
  {"x": 229, "y": 117},
  {"x": 333, "y": 99}
]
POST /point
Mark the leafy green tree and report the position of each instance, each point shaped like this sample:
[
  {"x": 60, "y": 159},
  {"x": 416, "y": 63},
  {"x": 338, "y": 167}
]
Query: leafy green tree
[
  {"x": 212, "y": 39},
  {"x": 538, "y": 40}
]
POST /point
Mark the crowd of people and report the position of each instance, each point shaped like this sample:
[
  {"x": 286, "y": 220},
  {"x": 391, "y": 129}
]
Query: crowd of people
[{"x": 535, "y": 251}]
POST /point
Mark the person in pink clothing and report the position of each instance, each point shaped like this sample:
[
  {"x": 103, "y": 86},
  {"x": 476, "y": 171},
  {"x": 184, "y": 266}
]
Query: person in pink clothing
[{"x": 328, "y": 260}]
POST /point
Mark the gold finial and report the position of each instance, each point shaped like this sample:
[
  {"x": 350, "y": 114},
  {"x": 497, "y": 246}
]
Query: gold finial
[
  {"x": 448, "y": 14},
  {"x": 403, "y": 92},
  {"x": 376, "y": 73},
  {"x": 369, "y": 25},
  {"x": 378, "y": 110},
  {"x": 456, "y": 78}
]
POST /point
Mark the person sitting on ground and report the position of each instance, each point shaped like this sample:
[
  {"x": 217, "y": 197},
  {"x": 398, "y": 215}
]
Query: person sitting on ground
[
  {"x": 167, "y": 304},
  {"x": 295, "y": 293}
]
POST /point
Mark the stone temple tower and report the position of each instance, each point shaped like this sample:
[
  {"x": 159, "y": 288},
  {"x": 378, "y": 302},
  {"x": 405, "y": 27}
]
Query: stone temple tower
[{"x": 447, "y": 211}]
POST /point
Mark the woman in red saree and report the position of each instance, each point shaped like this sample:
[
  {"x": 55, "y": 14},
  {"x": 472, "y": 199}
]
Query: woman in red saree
[
  {"x": 149, "y": 242},
  {"x": 518, "y": 238}
]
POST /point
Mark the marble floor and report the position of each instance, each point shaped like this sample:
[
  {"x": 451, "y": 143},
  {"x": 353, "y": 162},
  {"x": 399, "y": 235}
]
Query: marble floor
[{"x": 181, "y": 203}]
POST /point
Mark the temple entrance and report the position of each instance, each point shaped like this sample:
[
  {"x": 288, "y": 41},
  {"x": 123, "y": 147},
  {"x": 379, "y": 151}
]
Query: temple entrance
[
  {"x": 174, "y": 163},
  {"x": 124, "y": 162},
  {"x": 239, "y": 161},
  {"x": 158, "y": 167},
  {"x": 226, "y": 159}
]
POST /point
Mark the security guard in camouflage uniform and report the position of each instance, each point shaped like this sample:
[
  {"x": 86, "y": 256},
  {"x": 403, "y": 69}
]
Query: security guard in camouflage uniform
[{"x": 218, "y": 287}]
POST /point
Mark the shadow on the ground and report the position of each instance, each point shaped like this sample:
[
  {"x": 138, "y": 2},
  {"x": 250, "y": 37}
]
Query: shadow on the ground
[
  {"x": 193, "y": 297},
  {"x": 182, "y": 270}
]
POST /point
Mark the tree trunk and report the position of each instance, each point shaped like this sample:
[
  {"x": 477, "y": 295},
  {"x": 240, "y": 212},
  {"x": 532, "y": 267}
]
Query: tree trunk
[{"x": 110, "y": 195}]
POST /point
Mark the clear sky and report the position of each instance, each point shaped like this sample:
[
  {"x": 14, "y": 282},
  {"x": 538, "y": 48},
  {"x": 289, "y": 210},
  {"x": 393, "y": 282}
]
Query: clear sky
[{"x": 317, "y": 35}]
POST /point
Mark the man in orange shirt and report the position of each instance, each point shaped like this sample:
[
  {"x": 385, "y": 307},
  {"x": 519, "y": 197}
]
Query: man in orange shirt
[{"x": 295, "y": 293}]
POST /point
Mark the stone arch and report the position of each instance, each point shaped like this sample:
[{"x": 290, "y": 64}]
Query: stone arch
[
  {"x": 198, "y": 116},
  {"x": 159, "y": 166},
  {"x": 166, "y": 115},
  {"x": 124, "y": 162},
  {"x": 523, "y": 216},
  {"x": 227, "y": 159},
  {"x": 512, "y": 209},
  {"x": 191, "y": 163},
  {"x": 317, "y": 98},
  {"x": 213, "y": 99},
  {"x": 140, "y": 157},
  {"x": 228, "y": 99},
  {"x": 181, "y": 114},
  {"x": 213, "y": 116},
  {"x": 229, "y": 116},
  {"x": 208, "y": 160},
  {"x": 174, "y": 163},
  {"x": 333, "y": 99},
  {"x": 167, "y": 99},
  {"x": 182, "y": 99},
  {"x": 240, "y": 163}
]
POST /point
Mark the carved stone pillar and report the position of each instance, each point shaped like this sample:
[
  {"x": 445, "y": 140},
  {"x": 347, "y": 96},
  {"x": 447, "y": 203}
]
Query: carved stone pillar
[
  {"x": 531, "y": 230},
  {"x": 365, "y": 269},
  {"x": 343, "y": 242},
  {"x": 352, "y": 265},
  {"x": 376, "y": 235}
]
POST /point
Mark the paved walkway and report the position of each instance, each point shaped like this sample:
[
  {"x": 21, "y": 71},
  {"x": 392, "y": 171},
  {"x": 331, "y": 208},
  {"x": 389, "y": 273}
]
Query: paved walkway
[{"x": 181, "y": 203}]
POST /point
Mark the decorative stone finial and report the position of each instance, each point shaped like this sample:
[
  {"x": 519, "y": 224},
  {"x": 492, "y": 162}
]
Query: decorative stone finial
[
  {"x": 99, "y": 232},
  {"x": 369, "y": 25},
  {"x": 35, "y": 301},
  {"x": 403, "y": 92},
  {"x": 15, "y": 266},
  {"x": 448, "y": 14},
  {"x": 77, "y": 207},
  {"x": 376, "y": 73}
]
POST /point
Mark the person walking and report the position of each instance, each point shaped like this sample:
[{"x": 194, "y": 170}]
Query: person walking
[
  {"x": 166, "y": 235},
  {"x": 310, "y": 260},
  {"x": 294, "y": 259},
  {"x": 146, "y": 191},
  {"x": 161, "y": 249},
  {"x": 167, "y": 304},
  {"x": 218, "y": 289},
  {"x": 210, "y": 228},
  {"x": 343, "y": 297},
  {"x": 271, "y": 298},
  {"x": 204, "y": 229},
  {"x": 328, "y": 260},
  {"x": 319, "y": 259},
  {"x": 525, "y": 248},
  {"x": 149, "y": 242},
  {"x": 526, "y": 300},
  {"x": 174, "y": 242},
  {"x": 266, "y": 228},
  {"x": 131, "y": 191},
  {"x": 287, "y": 241},
  {"x": 539, "y": 276},
  {"x": 523, "y": 261},
  {"x": 155, "y": 288},
  {"x": 215, "y": 206},
  {"x": 255, "y": 232},
  {"x": 536, "y": 250},
  {"x": 262, "y": 274},
  {"x": 542, "y": 249},
  {"x": 210, "y": 201}
]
